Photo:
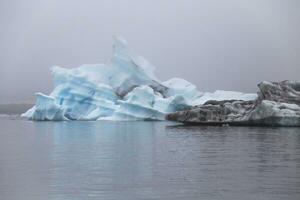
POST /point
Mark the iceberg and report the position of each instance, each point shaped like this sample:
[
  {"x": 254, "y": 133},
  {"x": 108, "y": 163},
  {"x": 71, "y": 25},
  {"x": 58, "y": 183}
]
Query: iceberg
[
  {"x": 277, "y": 105},
  {"x": 124, "y": 89}
]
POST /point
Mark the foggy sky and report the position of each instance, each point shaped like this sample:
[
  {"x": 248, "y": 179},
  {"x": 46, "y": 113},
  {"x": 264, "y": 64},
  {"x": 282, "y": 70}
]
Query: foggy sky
[{"x": 229, "y": 45}]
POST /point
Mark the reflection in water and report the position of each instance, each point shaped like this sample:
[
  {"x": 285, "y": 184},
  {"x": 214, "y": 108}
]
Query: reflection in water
[{"x": 147, "y": 160}]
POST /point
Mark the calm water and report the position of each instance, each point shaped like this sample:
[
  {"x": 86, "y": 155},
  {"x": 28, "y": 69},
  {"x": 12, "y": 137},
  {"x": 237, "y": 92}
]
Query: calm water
[{"x": 146, "y": 160}]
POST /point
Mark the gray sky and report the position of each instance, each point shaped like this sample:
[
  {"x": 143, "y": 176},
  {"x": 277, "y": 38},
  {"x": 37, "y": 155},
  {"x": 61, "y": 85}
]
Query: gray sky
[{"x": 215, "y": 44}]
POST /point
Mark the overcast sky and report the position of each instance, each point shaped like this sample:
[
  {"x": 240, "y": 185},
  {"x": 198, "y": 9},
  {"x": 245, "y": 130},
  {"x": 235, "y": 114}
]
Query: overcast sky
[{"x": 229, "y": 45}]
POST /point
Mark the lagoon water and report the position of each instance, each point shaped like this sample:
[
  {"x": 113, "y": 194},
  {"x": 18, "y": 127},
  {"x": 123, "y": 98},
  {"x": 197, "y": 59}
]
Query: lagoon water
[{"x": 146, "y": 160}]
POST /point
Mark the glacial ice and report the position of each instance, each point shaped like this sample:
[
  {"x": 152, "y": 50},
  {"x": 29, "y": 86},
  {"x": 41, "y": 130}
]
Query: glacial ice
[
  {"x": 277, "y": 104},
  {"x": 124, "y": 89}
]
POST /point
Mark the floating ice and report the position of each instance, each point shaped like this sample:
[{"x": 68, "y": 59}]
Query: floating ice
[{"x": 124, "y": 89}]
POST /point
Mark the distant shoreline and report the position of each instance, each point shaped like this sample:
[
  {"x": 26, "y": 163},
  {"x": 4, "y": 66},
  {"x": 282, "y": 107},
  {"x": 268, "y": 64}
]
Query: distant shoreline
[{"x": 14, "y": 108}]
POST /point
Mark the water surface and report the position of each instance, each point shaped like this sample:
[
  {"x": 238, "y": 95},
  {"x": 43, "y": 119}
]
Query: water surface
[{"x": 146, "y": 160}]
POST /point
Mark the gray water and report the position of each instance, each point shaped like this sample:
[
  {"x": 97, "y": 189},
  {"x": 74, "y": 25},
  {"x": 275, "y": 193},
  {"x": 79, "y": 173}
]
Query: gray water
[{"x": 146, "y": 160}]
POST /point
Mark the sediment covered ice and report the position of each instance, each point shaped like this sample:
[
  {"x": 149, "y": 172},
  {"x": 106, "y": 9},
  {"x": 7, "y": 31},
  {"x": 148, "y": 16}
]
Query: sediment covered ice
[
  {"x": 124, "y": 89},
  {"x": 277, "y": 104}
]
